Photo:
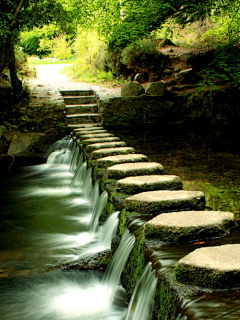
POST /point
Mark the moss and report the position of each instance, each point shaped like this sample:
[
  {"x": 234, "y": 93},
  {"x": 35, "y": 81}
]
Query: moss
[
  {"x": 108, "y": 185},
  {"x": 121, "y": 223}
]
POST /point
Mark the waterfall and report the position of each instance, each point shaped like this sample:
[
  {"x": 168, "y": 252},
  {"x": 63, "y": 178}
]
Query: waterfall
[
  {"x": 95, "y": 194},
  {"x": 112, "y": 275},
  {"x": 79, "y": 176},
  {"x": 108, "y": 230},
  {"x": 98, "y": 210},
  {"x": 140, "y": 306},
  {"x": 88, "y": 184}
]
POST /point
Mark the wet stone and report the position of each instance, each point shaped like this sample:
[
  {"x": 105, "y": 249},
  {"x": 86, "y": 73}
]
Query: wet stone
[
  {"x": 99, "y": 140},
  {"x": 96, "y": 135},
  {"x": 211, "y": 267},
  {"x": 133, "y": 185},
  {"x": 186, "y": 226},
  {"x": 98, "y": 154},
  {"x": 125, "y": 158},
  {"x": 96, "y": 146},
  {"x": 120, "y": 171},
  {"x": 156, "y": 202}
]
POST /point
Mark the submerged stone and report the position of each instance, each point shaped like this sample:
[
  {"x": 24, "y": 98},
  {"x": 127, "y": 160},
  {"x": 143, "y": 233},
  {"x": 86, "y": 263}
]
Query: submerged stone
[
  {"x": 120, "y": 171},
  {"x": 133, "y": 185},
  {"x": 98, "y": 140},
  {"x": 156, "y": 202},
  {"x": 211, "y": 267},
  {"x": 186, "y": 226},
  {"x": 125, "y": 158},
  {"x": 98, "y": 154},
  {"x": 96, "y": 146}
]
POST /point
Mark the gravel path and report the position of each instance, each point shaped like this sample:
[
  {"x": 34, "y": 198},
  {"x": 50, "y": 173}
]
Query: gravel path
[{"x": 50, "y": 79}]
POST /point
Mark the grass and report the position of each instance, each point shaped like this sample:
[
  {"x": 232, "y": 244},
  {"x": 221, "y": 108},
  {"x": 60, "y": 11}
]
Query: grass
[{"x": 38, "y": 61}]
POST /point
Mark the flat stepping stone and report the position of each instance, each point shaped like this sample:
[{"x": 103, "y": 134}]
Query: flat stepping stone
[
  {"x": 79, "y": 126},
  {"x": 124, "y": 158},
  {"x": 186, "y": 226},
  {"x": 96, "y": 135},
  {"x": 88, "y": 128},
  {"x": 81, "y": 108},
  {"x": 96, "y": 146},
  {"x": 124, "y": 170},
  {"x": 133, "y": 185},
  {"x": 102, "y": 153},
  {"x": 211, "y": 267},
  {"x": 99, "y": 140},
  {"x": 83, "y": 133},
  {"x": 73, "y": 92},
  {"x": 156, "y": 202}
]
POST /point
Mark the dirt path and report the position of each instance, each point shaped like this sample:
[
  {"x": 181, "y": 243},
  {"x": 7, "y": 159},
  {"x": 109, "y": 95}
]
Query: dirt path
[{"x": 50, "y": 79}]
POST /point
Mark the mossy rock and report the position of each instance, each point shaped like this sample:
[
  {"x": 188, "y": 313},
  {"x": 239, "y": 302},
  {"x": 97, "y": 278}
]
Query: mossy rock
[
  {"x": 98, "y": 154},
  {"x": 118, "y": 159},
  {"x": 96, "y": 146}
]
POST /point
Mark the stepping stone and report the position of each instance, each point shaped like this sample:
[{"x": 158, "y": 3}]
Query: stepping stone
[
  {"x": 124, "y": 170},
  {"x": 96, "y": 146},
  {"x": 102, "y": 153},
  {"x": 77, "y": 92},
  {"x": 82, "y": 133},
  {"x": 156, "y": 202},
  {"x": 71, "y": 100},
  {"x": 99, "y": 140},
  {"x": 85, "y": 126},
  {"x": 186, "y": 226},
  {"x": 211, "y": 267},
  {"x": 89, "y": 128},
  {"x": 133, "y": 185},
  {"x": 96, "y": 135},
  {"x": 83, "y": 117},
  {"x": 112, "y": 160}
]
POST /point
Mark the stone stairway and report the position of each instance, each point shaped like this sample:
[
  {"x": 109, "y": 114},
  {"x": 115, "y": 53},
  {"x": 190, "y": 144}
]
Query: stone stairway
[{"x": 81, "y": 108}]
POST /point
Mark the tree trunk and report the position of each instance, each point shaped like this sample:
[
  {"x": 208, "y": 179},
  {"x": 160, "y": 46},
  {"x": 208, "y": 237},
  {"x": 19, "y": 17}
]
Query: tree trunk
[{"x": 15, "y": 82}]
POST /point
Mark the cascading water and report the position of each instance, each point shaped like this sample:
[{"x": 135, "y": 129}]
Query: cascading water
[
  {"x": 140, "y": 305},
  {"x": 80, "y": 175},
  {"x": 98, "y": 210}
]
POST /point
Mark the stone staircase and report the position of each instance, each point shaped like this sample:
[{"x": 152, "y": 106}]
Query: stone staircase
[{"x": 81, "y": 108}]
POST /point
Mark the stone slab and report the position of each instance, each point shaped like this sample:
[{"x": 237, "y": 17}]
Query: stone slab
[
  {"x": 96, "y": 146},
  {"x": 120, "y": 171},
  {"x": 156, "y": 202},
  {"x": 187, "y": 226},
  {"x": 212, "y": 267},
  {"x": 133, "y": 185},
  {"x": 124, "y": 158},
  {"x": 96, "y": 135},
  {"x": 82, "y": 133},
  {"x": 98, "y": 154},
  {"x": 99, "y": 140},
  {"x": 88, "y": 128}
]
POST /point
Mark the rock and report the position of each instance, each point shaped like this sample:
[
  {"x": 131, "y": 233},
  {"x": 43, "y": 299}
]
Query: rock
[
  {"x": 126, "y": 158},
  {"x": 167, "y": 72},
  {"x": 99, "y": 140},
  {"x": 120, "y": 171},
  {"x": 169, "y": 50},
  {"x": 186, "y": 76},
  {"x": 141, "y": 77},
  {"x": 96, "y": 146},
  {"x": 156, "y": 88},
  {"x": 211, "y": 267},
  {"x": 97, "y": 154},
  {"x": 156, "y": 202},
  {"x": 97, "y": 135},
  {"x": 5, "y": 91},
  {"x": 186, "y": 226},
  {"x": 82, "y": 133},
  {"x": 133, "y": 185},
  {"x": 132, "y": 89}
]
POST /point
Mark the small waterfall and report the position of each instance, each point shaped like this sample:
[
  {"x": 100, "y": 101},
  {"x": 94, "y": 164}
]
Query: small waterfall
[
  {"x": 108, "y": 230},
  {"x": 55, "y": 156},
  {"x": 95, "y": 194},
  {"x": 79, "y": 176},
  {"x": 88, "y": 186},
  {"x": 74, "y": 161},
  {"x": 97, "y": 211},
  {"x": 80, "y": 160},
  {"x": 140, "y": 306},
  {"x": 112, "y": 275}
]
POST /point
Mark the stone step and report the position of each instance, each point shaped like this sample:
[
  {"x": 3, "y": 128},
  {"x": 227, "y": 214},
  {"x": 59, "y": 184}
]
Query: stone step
[
  {"x": 120, "y": 171},
  {"x": 89, "y": 128},
  {"x": 85, "y": 126},
  {"x": 133, "y": 185},
  {"x": 189, "y": 226},
  {"x": 83, "y": 108},
  {"x": 101, "y": 153},
  {"x": 96, "y": 135},
  {"x": 85, "y": 135},
  {"x": 72, "y": 100},
  {"x": 211, "y": 267},
  {"x": 99, "y": 140},
  {"x": 156, "y": 202},
  {"x": 83, "y": 118},
  {"x": 77, "y": 92},
  {"x": 96, "y": 146},
  {"x": 124, "y": 158}
]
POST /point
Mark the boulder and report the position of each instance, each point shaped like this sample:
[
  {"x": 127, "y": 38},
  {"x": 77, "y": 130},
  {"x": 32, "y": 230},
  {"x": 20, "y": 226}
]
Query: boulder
[
  {"x": 5, "y": 91},
  {"x": 141, "y": 77},
  {"x": 132, "y": 89},
  {"x": 156, "y": 88},
  {"x": 186, "y": 76}
]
